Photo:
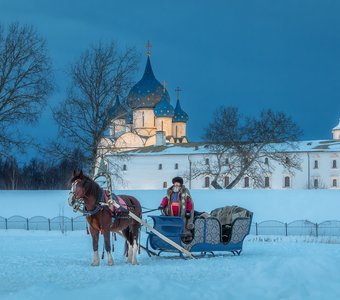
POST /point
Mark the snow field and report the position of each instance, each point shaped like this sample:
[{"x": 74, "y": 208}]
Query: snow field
[{"x": 50, "y": 265}]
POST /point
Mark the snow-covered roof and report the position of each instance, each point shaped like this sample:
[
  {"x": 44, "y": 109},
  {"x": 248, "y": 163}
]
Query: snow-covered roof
[
  {"x": 202, "y": 148},
  {"x": 337, "y": 127}
]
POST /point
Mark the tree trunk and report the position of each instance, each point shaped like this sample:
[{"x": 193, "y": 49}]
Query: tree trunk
[
  {"x": 235, "y": 181},
  {"x": 216, "y": 185}
]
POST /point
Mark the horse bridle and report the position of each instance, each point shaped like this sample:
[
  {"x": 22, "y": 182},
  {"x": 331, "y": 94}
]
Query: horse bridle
[{"x": 78, "y": 204}]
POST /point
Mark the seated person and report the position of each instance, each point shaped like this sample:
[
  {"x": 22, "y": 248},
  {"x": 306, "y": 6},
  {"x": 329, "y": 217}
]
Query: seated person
[{"x": 178, "y": 202}]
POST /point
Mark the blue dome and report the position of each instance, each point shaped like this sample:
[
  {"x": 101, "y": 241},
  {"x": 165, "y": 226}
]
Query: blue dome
[
  {"x": 129, "y": 118},
  {"x": 147, "y": 92},
  {"x": 164, "y": 108},
  {"x": 180, "y": 114},
  {"x": 118, "y": 111}
]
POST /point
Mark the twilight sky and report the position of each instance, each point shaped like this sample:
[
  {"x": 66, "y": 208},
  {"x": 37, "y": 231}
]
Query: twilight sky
[{"x": 254, "y": 54}]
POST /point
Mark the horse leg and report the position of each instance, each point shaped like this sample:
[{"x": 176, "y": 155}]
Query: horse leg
[
  {"x": 107, "y": 243},
  {"x": 134, "y": 235},
  {"x": 95, "y": 238},
  {"x": 134, "y": 253},
  {"x": 126, "y": 234}
]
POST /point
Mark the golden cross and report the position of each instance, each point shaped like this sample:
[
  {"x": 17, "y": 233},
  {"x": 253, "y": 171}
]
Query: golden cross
[
  {"x": 148, "y": 46},
  {"x": 178, "y": 90},
  {"x": 164, "y": 85}
]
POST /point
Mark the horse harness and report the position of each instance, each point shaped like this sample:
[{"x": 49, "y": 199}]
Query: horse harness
[{"x": 101, "y": 204}]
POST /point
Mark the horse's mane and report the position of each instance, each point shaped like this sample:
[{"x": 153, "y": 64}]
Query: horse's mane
[{"x": 91, "y": 187}]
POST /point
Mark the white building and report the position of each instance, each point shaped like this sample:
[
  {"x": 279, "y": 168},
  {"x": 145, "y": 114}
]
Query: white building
[
  {"x": 146, "y": 116},
  {"x": 153, "y": 167},
  {"x": 152, "y": 134}
]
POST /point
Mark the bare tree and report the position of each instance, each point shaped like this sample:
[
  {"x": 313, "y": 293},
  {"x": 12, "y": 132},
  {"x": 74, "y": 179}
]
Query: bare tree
[
  {"x": 246, "y": 147},
  {"x": 25, "y": 82},
  {"x": 101, "y": 73}
]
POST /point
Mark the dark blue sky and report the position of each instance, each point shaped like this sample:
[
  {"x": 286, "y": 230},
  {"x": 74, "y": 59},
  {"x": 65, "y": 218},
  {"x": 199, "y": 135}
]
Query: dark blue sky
[{"x": 255, "y": 54}]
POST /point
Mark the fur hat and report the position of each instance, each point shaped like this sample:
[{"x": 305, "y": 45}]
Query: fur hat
[{"x": 177, "y": 179}]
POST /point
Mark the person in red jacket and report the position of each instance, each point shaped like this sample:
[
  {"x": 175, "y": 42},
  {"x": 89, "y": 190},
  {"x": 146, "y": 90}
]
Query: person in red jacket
[{"x": 178, "y": 202}]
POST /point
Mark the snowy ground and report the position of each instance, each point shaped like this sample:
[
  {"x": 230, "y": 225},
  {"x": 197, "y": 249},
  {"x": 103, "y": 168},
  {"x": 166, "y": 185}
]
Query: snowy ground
[
  {"x": 50, "y": 265},
  {"x": 281, "y": 205}
]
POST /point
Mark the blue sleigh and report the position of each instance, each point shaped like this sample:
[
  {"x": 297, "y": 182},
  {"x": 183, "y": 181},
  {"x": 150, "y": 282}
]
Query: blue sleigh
[{"x": 208, "y": 235}]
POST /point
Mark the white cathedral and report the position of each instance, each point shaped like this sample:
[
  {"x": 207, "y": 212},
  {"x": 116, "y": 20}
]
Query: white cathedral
[
  {"x": 152, "y": 135},
  {"x": 147, "y": 118}
]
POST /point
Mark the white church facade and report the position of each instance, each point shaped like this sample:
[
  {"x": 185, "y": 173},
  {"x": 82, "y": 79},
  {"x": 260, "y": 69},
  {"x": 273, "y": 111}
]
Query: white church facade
[{"x": 152, "y": 135}]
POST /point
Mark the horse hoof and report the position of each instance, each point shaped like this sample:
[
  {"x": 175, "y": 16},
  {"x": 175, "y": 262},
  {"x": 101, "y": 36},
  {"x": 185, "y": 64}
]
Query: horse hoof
[
  {"x": 95, "y": 264},
  {"x": 110, "y": 263}
]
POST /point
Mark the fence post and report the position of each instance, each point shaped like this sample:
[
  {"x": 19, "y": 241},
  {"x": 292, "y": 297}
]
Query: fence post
[
  {"x": 286, "y": 227},
  {"x": 49, "y": 224},
  {"x": 28, "y": 228},
  {"x": 6, "y": 226},
  {"x": 71, "y": 223},
  {"x": 316, "y": 229},
  {"x": 256, "y": 229}
]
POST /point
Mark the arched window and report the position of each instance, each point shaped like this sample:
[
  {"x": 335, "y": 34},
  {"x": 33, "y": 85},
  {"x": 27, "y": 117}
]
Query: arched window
[
  {"x": 165, "y": 185},
  {"x": 226, "y": 181},
  {"x": 124, "y": 168},
  {"x": 227, "y": 161},
  {"x": 143, "y": 119},
  {"x": 207, "y": 182},
  {"x": 266, "y": 161},
  {"x": 287, "y": 160},
  {"x": 266, "y": 182},
  {"x": 176, "y": 166},
  {"x": 207, "y": 161},
  {"x": 287, "y": 182},
  {"x": 335, "y": 183},
  {"x": 316, "y": 183},
  {"x": 160, "y": 167},
  {"x": 316, "y": 164},
  {"x": 334, "y": 164},
  {"x": 246, "y": 182}
]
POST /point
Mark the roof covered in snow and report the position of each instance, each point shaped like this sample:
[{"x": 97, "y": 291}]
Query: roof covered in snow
[
  {"x": 203, "y": 148},
  {"x": 337, "y": 127}
]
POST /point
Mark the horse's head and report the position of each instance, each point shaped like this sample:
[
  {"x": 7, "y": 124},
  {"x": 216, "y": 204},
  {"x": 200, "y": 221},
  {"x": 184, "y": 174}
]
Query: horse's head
[
  {"x": 83, "y": 190},
  {"x": 77, "y": 188},
  {"x": 77, "y": 193}
]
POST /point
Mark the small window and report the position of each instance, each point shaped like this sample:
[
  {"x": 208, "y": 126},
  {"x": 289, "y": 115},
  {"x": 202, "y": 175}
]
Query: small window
[
  {"x": 316, "y": 183},
  {"x": 316, "y": 164},
  {"x": 226, "y": 181},
  {"x": 227, "y": 161},
  {"x": 124, "y": 168},
  {"x": 206, "y": 182},
  {"x": 266, "y": 182},
  {"x": 287, "y": 182},
  {"x": 207, "y": 161},
  {"x": 160, "y": 167},
  {"x": 266, "y": 161},
  {"x": 334, "y": 183},
  {"x": 246, "y": 182},
  {"x": 165, "y": 185},
  {"x": 176, "y": 166},
  {"x": 334, "y": 164},
  {"x": 287, "y": 160}
]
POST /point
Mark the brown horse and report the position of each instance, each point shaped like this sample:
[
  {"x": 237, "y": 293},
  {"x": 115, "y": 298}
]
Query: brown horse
[{"x": 100, "y": 217}]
